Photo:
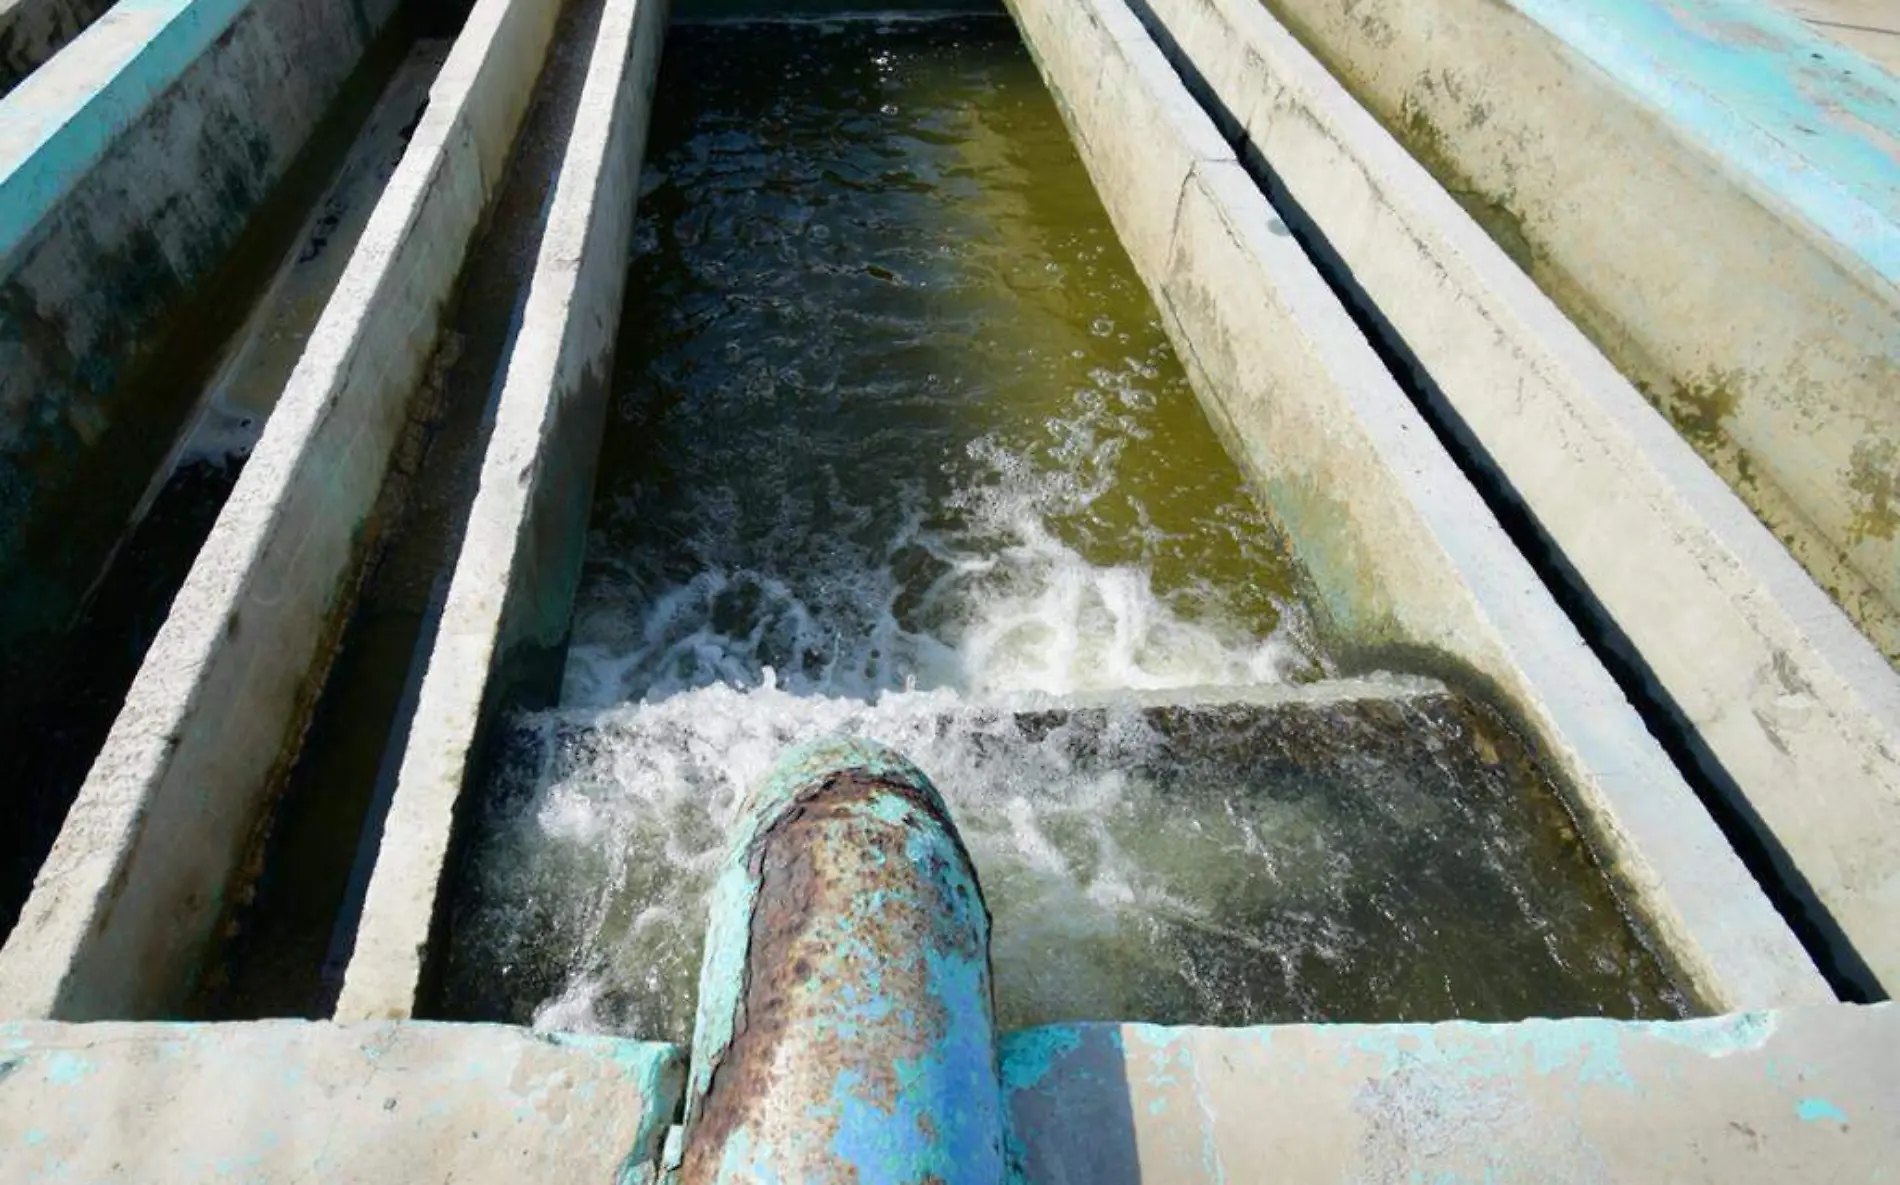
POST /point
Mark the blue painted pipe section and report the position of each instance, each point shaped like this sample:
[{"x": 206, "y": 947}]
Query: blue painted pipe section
[{"x": 845, "y": 1030}]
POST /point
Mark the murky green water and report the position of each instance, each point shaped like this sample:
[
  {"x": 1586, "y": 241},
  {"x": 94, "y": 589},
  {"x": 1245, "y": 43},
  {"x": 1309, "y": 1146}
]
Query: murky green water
[
  {"x": 880, "y": 336},
  {"x": 899, "y": 448}
]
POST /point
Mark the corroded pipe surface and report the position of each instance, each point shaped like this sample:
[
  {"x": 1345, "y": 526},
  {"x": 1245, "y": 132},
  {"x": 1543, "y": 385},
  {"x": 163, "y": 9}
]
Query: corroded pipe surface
[{"x": 845, "y": 1029}]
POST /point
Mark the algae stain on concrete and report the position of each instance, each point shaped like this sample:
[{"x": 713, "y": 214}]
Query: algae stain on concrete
[
  {"x": 1874, "y": 475},
  {"x": 1699, "y": 408},
  {"x": 1495, "y": 212}
]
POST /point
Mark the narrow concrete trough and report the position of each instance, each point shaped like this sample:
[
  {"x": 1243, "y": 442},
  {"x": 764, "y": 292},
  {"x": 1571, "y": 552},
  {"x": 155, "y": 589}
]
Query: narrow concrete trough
[
  {"x": 512, "y": 591},
  {"x": 53, "y": 725},
  {"x": 1724, "y": 225},
  {"x": 1792, "y": 709},
  {"x": 129, "y": 168},
  {"x": 126, "y": 902},
  {"x": 1406, "y": 562}
]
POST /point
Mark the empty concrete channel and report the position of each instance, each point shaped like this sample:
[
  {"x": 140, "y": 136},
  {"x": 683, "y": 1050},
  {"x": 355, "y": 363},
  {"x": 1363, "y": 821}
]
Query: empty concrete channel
[{"x": 1088, "y": 399}]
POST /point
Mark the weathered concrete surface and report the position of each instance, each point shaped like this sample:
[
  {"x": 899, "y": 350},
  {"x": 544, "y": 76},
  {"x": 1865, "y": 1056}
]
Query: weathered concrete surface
[
  {"x": 251, "y": 376},
  {"x": 513, "y": 587},
  {"x": 129, "y": 167},
  {"x": 288, "y": 944},
  {"x": 53, "y": 725},
  {"x": 1869, "y": 27},
  {"x": 1711, "y": 191},
  {"x": 845, "y": 1029},
  {"x": 33, "y": 30},
  {"x": 287, "y": 1101},
  {"x": 1402, "y": 554},
  {"x": 1796, "y": 708},
  {"x": 1801, "y": 1095},
  {"x": 126, "y": 901}
]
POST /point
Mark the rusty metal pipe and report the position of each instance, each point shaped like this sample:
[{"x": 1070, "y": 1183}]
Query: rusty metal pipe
[{"x": 845, "y": 1027}]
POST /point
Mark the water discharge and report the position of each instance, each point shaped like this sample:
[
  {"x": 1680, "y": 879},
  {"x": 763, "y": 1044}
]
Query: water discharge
[{"x": 899, "y": 448}]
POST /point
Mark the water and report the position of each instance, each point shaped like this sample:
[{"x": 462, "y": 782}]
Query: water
[{"x": 899, "y": 448}]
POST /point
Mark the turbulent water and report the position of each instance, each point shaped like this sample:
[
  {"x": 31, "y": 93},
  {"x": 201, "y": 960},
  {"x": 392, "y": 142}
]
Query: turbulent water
[{"x": 899, "y": 448}]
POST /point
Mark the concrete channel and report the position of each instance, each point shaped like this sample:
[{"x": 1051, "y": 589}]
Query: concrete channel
[
  {"x": 136, "y": 879},
  {"x": 1752, "y": 302},
  {"x": 1795, "y": 713},
  {"x": 1469, "y": 472},
  {"x": 1412, "y": 563}
]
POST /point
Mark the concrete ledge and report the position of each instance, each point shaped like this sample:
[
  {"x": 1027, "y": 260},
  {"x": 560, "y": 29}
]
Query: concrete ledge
[
  {"x": 286, "y": 1101},
  {"x": 129, "y": 167},
  {"x": 1798, "y": 710},
  {"x": 1799, "y": 1095},
  {"x": 1402, "y": 554},
  {"x": 512, "y": 592},
  {"x": 1710, "y": 190},
  {"x": 125, "y": 903},
  {"x": 32, "y": 31}
]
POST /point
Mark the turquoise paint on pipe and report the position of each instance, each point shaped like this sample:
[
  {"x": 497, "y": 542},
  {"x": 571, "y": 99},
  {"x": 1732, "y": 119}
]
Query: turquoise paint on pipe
[
  {"x": 58, "y": 123},
  {"x": 1809, "y": 124},
  {"x": 846, "y": 1027}
]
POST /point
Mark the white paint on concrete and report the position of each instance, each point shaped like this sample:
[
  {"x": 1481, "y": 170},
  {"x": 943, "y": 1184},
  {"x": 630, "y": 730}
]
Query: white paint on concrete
[
  {"x": 125, "y": 903},
  {"x": 288, "y": 1101},
  {"x": 1799, "y": 710},
  {"x": 1801, "y": 1095},
  {"x": 1402, "y": 553},
  {"x": 515, "y": 576}
]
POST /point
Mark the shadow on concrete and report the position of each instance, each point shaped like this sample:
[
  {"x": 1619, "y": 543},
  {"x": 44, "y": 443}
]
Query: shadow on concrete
[{"x": 1067, "y": 1101}]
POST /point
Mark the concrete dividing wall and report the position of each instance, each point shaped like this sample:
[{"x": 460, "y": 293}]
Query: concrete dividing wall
[
  {"x": 32, "y": 31},
  {"x": 1797, "y": 711},
  {"x": 1402, "y": 554},
  {"x": 1800, "y": 1095},
  {"x": 1710, "y": 190},
  {"x": 125, "y": 903},
  {"x": 129, "y": 166},
  {"x": 512, "y": 593}
]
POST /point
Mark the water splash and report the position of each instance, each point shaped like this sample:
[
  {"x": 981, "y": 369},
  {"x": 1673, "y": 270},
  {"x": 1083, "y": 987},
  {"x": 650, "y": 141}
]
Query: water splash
[{"x": 900, "y": 450}]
